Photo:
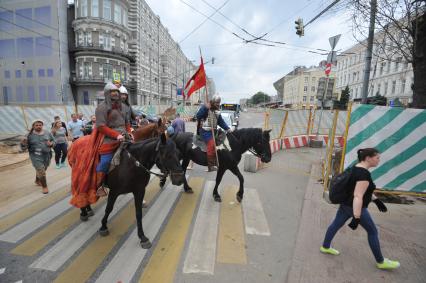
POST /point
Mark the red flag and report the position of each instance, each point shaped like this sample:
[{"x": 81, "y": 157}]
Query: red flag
[{"x": 198, "y": 80}]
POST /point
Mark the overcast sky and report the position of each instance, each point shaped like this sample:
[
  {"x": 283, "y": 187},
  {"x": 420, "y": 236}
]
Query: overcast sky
[{"x": 240, "y": 69}]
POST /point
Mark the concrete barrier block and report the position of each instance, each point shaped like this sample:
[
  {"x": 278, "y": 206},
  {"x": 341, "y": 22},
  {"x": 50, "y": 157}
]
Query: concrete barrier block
[{"x": 250, "y": 162}]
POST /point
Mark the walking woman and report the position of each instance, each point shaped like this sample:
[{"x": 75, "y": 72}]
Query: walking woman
[
  {"x": 39, "y": 143},
  {"x": 362, "y": 187},
  {"x": 61, "y": 147}
]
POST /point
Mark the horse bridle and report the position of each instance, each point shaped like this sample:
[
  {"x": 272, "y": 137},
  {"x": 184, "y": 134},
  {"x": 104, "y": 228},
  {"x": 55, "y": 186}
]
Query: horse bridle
[
  {"x": 252, "y": 150},
  {"x": 140, "y": 165}
]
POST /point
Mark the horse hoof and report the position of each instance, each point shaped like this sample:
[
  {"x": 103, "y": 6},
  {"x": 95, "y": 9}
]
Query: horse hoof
[
  {"x": 144, "y": 204},
  {"x": 146, "y": 245},
  {"x": 103, "y": 232},
  {"x": 239, "y": 198},
  {"x": 90, "y": 213},
  {"x": 217, "y": 198},
  {"x": 84, "y": 217},
  {"x": 188, "y": 191}
]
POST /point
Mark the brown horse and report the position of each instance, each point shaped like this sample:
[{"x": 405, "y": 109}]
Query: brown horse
[{"x": 151, "y": 130}]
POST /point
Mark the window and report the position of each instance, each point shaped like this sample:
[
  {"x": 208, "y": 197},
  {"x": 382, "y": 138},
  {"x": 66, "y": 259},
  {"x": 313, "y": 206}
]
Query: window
[
  {"x": 405, "y": 65},
  {"x": 25, "y": 46},
  {"x": 163, "y": 87},
  {"x": 312, "y": 99},
  {"x": 95, "y": 8},
  {"x": 6, "y": 21},
  {"x": 85, "y": 39},
  {"x": 125, "y": 74},
  {"x": 382, "y": 66},
  {"x": 31, "y": 94},
  {"x": 306, "y": 80},
  {"x": 397, "y": 63},
  {"x": 389, "y": 66},
  {"x": 107, "y": 41},
  {"x": 403, "y": 86},
  {"x": 51, "y": 93},
  {"x": 304, "y": 99},
  {"x": 7, "y": 47},
  {"x": 86, "y": 69},
  {"x": 393, "y": 87},
  {"x": 107, "y": 70},
  {"x": 43, "y": 46},
  {"x": 18, "y": 74},
  {"x": 41, "y": 73},
  {"x": 29, "y": 73},
  {"x": 305, "y": 89},
  {"x": 7, "y": 74},
  {"x": 19, "y": 94},
  {"x": 379, "y": 86},
  {"x": 314, "y": 80},
  {"x": 24, "y": 17},
  {"x": 86, "y": 100},
  {"x": 50, "y": 72},
  {"x": 107, "y": 10},
  {"x": 117, "y": 13},
  {"x": 312, "y": 89},
  {"x": 42, "y": 93},
  {"x": 386, "y": 88},
  {"x": 124, "y": 18},
  {"x": 43, "y": 15},
  {"x": 7, "y": 95},
  {"x": 83, "y": 8}
]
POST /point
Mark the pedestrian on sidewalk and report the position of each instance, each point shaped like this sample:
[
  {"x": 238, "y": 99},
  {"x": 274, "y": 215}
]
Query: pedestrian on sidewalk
[
  {"x": 361, "y": 188},
  {"x": 178, "y": 124},
  {"x": 39, "y": 143},
  {"x": 76, "y": 127},
  {"x": 61, "y": 147}
]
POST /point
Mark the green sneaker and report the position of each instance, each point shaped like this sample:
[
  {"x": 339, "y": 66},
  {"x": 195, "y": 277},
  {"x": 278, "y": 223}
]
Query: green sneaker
[
  {"x": 388, "y": 264},
  {"x": 58, "y": 166},
  {"x": 329, "y": 251}
]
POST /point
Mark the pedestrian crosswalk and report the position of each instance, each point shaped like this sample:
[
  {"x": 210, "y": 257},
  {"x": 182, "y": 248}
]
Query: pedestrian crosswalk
[{"x": 188, "y": 228}]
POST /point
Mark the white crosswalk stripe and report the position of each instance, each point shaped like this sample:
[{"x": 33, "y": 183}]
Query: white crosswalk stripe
[
  {"x": 125, "y": 263},
  {"x": 56, "y": 256},
  {"x": 201, "y": 254},
  {"x": 254, "y": 217},
  {"x": 22, "y": 230}
]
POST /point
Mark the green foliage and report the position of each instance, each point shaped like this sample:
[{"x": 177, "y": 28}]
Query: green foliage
[
  {"x": 342, "y": 104},
  {"x": 377, "y": 100},
  {"x": 259, "y": 97}
]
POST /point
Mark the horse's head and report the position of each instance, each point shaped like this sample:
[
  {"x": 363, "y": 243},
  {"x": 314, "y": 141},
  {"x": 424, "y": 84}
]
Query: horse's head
[
  {"x": 262, "y": 148},
  {"x": 151, "y": 130},
  {"x": 168, "y": 157}
]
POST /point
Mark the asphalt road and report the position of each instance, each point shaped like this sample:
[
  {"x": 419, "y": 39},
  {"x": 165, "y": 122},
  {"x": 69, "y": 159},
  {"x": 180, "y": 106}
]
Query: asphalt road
[{"x": 194, "y": 238}]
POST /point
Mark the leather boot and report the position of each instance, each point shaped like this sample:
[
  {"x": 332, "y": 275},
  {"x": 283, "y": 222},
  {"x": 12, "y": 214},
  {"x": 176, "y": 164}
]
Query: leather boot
[
  {"x": 37, "y": 181},
  {"x": 101, "y": 191},
  {"x": 211, "y": 163},
  {"x": 43, "y": 182}
]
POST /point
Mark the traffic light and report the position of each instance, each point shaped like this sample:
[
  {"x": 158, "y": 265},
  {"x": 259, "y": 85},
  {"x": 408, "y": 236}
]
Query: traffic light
[{"x": 299, "y": 27}]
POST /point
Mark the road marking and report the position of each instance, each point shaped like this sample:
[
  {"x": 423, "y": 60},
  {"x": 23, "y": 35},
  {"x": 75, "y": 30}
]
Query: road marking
[
  {"x": 165, "y": 258},
  {"x": 201, "y": 255},
  {"x": 126, "y": 261},
  {"x": 13, "y": 206},
  {"x": 24, "y": 213},
  {"x": 38, "y": 241},
  {"x": 22, "y": 230},
  {"x": 254, "y": 217},
  {"x": 88, "y": 260},
  {"x": 2, "y": 270},
  {"x": 231, "y": 241},
  {"x": 56, "y": 256}
]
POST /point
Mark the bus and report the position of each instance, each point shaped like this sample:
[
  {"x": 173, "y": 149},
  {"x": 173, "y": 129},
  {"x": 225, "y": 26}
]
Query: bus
[{"x": 230, "y": 107}]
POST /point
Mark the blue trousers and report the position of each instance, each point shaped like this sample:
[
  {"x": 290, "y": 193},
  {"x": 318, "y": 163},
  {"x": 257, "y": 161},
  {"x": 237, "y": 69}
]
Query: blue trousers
[
  {"x": 343, "y": 214},
  {"x": 103, "y": 165}
]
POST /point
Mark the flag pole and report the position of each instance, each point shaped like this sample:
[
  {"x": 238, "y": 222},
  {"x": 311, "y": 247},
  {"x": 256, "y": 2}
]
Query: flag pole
[{"x": 207, "y": 101}]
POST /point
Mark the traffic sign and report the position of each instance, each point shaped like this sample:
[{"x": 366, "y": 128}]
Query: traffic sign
[
  {"x": 333, "y": 41},
  {"x": 327, "y": 69}
]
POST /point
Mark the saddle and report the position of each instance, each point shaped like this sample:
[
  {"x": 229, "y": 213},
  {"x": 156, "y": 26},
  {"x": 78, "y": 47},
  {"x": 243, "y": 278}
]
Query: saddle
[
  {"x": 220, "y": 138},
  {"x": 116, "y": 157}
]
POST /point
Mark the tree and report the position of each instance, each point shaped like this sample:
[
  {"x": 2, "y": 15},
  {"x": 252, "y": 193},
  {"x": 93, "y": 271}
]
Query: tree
[
  {"x": 377, "y": 100},
  {"x": 401, "y": 26},
  {"x": 259, "y": 97},
  {"x": 342, "y": 104}
]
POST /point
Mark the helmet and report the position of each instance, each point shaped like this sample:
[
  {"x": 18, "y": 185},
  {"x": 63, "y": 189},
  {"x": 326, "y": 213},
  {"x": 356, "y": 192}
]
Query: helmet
[
  {"x": 110, "y": 86},
  {"x": 170, "y": 131},
  {"x": 216, "y": 99},
  {"x": 122, "y": 89}
]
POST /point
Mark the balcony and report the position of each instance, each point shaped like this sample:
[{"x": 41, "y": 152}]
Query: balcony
[
  {"x": 101, "y": 49},
  {"x": 91, "y": 80}
]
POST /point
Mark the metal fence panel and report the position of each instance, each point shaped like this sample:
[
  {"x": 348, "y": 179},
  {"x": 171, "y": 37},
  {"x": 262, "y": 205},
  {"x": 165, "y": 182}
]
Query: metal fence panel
[{"x": 12, "y": 120}]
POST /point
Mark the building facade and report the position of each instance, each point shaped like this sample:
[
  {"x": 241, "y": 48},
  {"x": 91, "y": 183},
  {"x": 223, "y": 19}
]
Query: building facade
[
  {"x": 390, "y": 78},
  {"x": 34, "y": 63},
  {"x": 99, "y": 51},
  {"x": 300, "y": 87},
  {"x": 160, "y": 68}
]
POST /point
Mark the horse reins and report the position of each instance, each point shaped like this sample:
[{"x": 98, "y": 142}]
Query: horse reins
[{"x": 140, "y": 165}]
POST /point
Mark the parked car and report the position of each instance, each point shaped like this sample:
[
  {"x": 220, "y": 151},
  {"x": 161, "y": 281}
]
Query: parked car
[
  {"x": 229, "y": 120},
  {"x": 234, "y": 118}
]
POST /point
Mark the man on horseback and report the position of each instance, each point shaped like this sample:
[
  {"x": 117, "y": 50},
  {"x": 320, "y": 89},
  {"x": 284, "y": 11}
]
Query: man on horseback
[
  {"x": 209, "y": 118},
  {"x": 112, "y": 120}
]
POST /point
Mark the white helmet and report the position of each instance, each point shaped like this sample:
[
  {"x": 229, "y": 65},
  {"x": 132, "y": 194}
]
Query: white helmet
[
  {"x": 122, "y": 89},
  {"x": 216, "y": 99},
  {"x": 109, "y": 87}
]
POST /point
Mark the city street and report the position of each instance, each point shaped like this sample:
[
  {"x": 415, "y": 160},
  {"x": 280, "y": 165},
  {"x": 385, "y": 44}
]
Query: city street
[{"x": 43, "y": 240}]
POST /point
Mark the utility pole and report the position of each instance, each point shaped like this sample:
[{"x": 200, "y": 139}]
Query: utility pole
[{"x": 373, "y": 10}]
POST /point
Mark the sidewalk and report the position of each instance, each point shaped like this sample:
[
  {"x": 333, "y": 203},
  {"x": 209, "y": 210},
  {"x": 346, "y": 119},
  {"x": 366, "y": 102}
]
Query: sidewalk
[
  {"x": 11, "y": 160},
  {"x": 402, "y": 233}
]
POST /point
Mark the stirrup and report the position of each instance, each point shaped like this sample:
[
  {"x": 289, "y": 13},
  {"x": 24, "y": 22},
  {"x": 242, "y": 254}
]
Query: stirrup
[{"x": 101, "y": 192}]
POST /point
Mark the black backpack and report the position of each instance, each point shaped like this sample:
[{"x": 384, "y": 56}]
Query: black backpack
[{"x": 339, "y": 187}]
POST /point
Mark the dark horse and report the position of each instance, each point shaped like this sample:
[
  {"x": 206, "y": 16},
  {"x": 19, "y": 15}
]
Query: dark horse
[
  {"x": 132, "y": 176},
  {"x": 253, "y": 139}
]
